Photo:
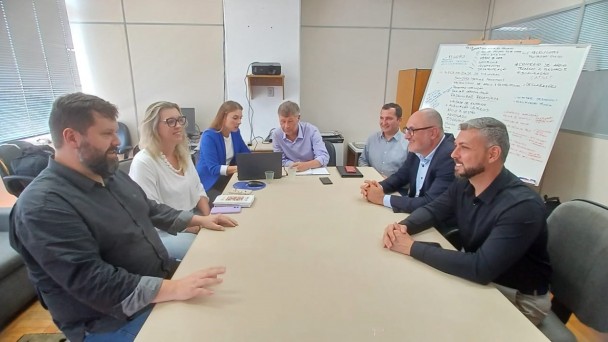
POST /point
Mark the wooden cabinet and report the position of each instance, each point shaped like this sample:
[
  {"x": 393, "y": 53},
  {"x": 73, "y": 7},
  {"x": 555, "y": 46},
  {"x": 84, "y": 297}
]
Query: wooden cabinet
[
  {"x": 410, "y": 89},
  {"x": 266, "y": 81}
]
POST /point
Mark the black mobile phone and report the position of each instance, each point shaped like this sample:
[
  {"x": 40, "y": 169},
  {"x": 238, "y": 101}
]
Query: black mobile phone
[
  {"x": 325, "y": 180},
  {"x": 255, "y": 184}
]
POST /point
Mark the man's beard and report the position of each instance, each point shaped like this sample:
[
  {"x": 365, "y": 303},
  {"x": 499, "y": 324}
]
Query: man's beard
[
  {"x": 470, "y": 172},
  {"x": 97, "y": 162}
]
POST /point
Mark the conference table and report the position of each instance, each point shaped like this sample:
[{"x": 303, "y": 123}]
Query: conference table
[{"x": 306, "y": 263}]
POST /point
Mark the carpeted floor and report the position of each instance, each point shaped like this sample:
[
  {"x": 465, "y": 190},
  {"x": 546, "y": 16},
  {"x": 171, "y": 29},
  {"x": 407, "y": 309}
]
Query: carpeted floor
[{"x": 42, "y": 338}]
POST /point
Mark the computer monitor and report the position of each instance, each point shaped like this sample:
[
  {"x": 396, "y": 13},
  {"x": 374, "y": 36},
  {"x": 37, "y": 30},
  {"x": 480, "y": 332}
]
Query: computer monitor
[{"x": 191, "y": 130}]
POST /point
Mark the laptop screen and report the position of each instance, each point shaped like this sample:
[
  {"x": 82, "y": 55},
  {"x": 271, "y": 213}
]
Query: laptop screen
[{"x": 254, "y": 165}]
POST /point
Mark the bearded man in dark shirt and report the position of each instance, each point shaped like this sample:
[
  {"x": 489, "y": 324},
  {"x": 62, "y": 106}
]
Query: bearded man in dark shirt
[
  {"x": 501, "y": 223},
  {"x": 87, "y": 232}
]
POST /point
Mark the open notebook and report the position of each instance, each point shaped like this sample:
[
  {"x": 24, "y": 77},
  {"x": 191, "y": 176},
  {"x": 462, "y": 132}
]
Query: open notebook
[{"x": 317, "y": 171}]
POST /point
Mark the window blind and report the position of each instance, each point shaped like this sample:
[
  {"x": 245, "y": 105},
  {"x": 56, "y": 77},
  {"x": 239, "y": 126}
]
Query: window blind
[
  {"x": 558, "y": 28},
  {"x": 566, "y": 27},
  {"x": 37, "y": 64},
  {"x": 594, "y": 31}
]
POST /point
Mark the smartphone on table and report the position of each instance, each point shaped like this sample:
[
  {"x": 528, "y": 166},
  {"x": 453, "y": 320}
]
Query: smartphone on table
[{"x": 325, "y": 180}]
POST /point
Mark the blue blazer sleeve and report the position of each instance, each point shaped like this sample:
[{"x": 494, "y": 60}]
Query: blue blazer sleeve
[
  {"x": 213, "y": 152},
  {"x": 212, "y": 157}
]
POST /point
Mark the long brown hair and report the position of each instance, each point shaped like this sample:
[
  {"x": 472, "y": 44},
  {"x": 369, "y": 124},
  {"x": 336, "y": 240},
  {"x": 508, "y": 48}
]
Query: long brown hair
[{"x": 226, "y": 107}]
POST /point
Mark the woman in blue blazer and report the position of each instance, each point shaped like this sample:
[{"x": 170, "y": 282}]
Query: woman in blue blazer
[{"x": 219, "y": 146}]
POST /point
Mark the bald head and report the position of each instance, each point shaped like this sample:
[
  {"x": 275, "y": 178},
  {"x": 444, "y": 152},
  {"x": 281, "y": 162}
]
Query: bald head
[
  {"x": 424, "y": 131},
  {"x": 430, "y": 117}
]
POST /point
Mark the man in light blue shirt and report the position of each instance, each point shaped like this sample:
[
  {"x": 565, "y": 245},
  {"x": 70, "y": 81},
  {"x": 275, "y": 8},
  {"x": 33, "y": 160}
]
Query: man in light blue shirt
[
  {"x": 386, "y": 150},
  {"x": 300, "y": 142}
]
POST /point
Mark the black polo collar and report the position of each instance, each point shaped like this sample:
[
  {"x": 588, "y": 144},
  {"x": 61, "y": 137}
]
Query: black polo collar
[
  {"x": 78, "y": 179},
  {"x": 493, "y": 189}
]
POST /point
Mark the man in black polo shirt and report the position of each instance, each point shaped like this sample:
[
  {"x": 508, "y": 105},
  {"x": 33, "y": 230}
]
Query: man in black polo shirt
[
  {"x": 87, "y": 236},
  {"x": 501, "y": 221}
]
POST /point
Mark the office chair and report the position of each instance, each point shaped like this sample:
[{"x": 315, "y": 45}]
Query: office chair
[
  {"x": 452, "y": 234},
  {"x": 136, "y": 150},
  {"x": 125, "y": 140},
  {"x": 578, "y": 250},
  {"x": 125, "y": 165},
  {"x": 332, "y": 153},
  {"x": 14, "y": 184}
]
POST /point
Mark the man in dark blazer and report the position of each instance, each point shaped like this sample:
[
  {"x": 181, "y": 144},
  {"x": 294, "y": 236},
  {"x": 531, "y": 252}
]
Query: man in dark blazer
[{"x": 428, "y": 169}]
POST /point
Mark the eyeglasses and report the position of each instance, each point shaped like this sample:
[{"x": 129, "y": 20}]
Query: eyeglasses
[
  {"x": 172, "y": 122},
  {"x": 412, "y": 130}
]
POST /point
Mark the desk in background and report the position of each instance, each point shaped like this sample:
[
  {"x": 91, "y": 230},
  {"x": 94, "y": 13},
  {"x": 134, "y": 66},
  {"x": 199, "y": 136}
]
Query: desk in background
[
  {"x": 260, "y": 147},
  {"x": 194, "y": 148},
  {"x": 353, "y": 154},
  {"x": 337, "y": 140},
  {"x": 307, "y": 264}
]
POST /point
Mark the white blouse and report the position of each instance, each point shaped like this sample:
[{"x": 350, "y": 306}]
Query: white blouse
[
  {"x": 229, "y": 154},
  {"x": 162, "y": 184}
]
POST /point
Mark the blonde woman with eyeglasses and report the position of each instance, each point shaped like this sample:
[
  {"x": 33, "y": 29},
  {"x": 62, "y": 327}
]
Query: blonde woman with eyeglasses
[{"x": 165, "y": 171}]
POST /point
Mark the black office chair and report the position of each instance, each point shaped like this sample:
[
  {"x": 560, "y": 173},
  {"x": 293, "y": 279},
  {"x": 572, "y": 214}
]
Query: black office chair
[
  {"x": 453, "y": 237},
  {"x": 14, "y": 184},
  {"x": 125, "y": 146},
  {"x": 578, "y": 250},
  {"x": 125, "y": 165},
  {"x": 332, "y": 153}
]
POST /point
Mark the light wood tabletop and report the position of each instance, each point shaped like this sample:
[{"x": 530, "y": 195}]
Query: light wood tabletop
[{"x": 306, "y": 263}]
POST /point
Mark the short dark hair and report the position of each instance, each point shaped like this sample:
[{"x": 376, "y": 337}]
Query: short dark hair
[
  {"x": 398, "y": 110},
  {"x": 493, "y": 130},
  {"x": 76, "y": 111}
]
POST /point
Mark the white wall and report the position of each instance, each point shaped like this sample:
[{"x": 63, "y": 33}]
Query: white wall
[
  {"x": 352, "y": 53},
  {"x": 577, "y": 164},
  {"x": 140, "y": 51},
  {"x": 577, "y": 168},
  {"x": 261, "y": 31},
  {"x": 135, "y": 52}
]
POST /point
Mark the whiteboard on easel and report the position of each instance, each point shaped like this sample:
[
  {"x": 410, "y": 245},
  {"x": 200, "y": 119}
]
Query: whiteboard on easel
[{"x": 527, "y": 87}]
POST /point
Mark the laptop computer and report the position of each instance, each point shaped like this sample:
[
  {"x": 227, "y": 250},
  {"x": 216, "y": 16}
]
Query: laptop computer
[{"x": 254, "y": 165}]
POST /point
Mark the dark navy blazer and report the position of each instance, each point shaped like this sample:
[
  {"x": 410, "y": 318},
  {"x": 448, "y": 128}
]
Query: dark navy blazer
[{"x": 438, "y": 177}]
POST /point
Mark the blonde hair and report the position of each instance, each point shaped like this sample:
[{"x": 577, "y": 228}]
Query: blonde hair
[
  {"x": 225, "y": 108},
  {"x": 150, "y": 139}
]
